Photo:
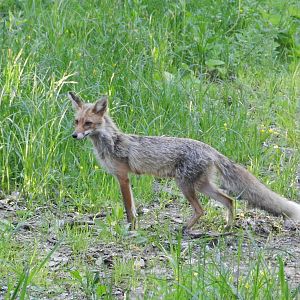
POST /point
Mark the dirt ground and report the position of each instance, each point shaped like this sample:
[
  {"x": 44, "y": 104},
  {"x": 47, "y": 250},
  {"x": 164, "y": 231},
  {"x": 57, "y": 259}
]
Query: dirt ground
[{"x": 263, "y": 231}]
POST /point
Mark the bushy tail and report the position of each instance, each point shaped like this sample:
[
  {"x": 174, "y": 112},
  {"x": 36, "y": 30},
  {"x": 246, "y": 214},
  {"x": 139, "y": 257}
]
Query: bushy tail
[{"x": 244, "y": 185}]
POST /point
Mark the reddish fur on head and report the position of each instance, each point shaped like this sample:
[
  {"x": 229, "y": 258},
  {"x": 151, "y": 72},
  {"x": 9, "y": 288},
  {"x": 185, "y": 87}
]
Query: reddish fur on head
[{"x": 88, "y": 116}]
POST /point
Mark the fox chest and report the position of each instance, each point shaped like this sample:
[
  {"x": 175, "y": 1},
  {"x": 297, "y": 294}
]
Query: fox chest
[
  {"x": 110, "y": 163},
  {"x": 106, "y": 161}
]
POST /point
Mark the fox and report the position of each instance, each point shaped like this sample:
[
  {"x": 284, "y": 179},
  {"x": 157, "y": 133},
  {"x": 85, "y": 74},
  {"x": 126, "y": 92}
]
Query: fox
[{"x": 194, "y": 165}]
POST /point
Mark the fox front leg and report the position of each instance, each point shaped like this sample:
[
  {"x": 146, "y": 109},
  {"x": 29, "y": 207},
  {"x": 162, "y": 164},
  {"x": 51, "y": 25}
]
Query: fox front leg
[{"x": 128, "y": 200}]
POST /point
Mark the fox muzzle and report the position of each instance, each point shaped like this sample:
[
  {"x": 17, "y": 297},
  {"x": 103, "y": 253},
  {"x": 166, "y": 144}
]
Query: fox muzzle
[{"x": 79, "y": 135}]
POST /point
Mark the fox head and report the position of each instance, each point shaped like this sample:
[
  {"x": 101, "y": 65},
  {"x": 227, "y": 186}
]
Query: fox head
[{"x": 89, "y": 117}]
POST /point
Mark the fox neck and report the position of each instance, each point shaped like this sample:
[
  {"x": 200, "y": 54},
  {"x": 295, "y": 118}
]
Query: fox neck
[
  {"x": 103, "y": 138},
  {"x": 109, "y": 126}
]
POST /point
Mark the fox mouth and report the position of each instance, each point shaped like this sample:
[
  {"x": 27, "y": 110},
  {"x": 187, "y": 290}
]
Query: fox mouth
[{"x": 80, "y": 135}]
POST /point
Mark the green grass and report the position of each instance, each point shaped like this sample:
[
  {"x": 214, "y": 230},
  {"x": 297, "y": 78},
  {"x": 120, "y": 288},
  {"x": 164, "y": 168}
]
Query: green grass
[{"x": 223, "y": 72}]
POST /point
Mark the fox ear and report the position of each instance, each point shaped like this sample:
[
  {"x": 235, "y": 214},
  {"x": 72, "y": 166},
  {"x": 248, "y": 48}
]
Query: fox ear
[
  {"x": 76, "y": 101},
  {"x": 100, "y": 107}
]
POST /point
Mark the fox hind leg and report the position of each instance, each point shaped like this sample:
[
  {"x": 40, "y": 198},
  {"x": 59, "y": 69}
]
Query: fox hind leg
[
  {"x": 189, "y": 192},
  {"x": 211, "y": 190}
]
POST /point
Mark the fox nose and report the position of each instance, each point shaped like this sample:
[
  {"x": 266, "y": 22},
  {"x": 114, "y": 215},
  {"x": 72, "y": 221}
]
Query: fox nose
[{"x": 74, "y": 135}]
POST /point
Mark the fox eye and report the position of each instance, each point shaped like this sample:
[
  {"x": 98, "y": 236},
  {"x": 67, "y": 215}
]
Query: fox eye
[
  {"x": 76, "y": 122},
  {"x": 88, "y": 123}
]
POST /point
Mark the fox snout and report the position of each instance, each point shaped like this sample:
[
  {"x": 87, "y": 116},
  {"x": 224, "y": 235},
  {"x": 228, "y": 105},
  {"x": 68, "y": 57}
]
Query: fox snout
[{"x": 79, "y": 135}]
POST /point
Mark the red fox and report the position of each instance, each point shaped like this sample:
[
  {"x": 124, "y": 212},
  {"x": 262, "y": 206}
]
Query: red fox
[{"x": 193, "y": 164}]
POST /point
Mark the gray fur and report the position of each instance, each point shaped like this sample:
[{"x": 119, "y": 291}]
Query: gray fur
[
  {"x": 192, "y": 163},
  {"x": 243, "y": 184}
]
